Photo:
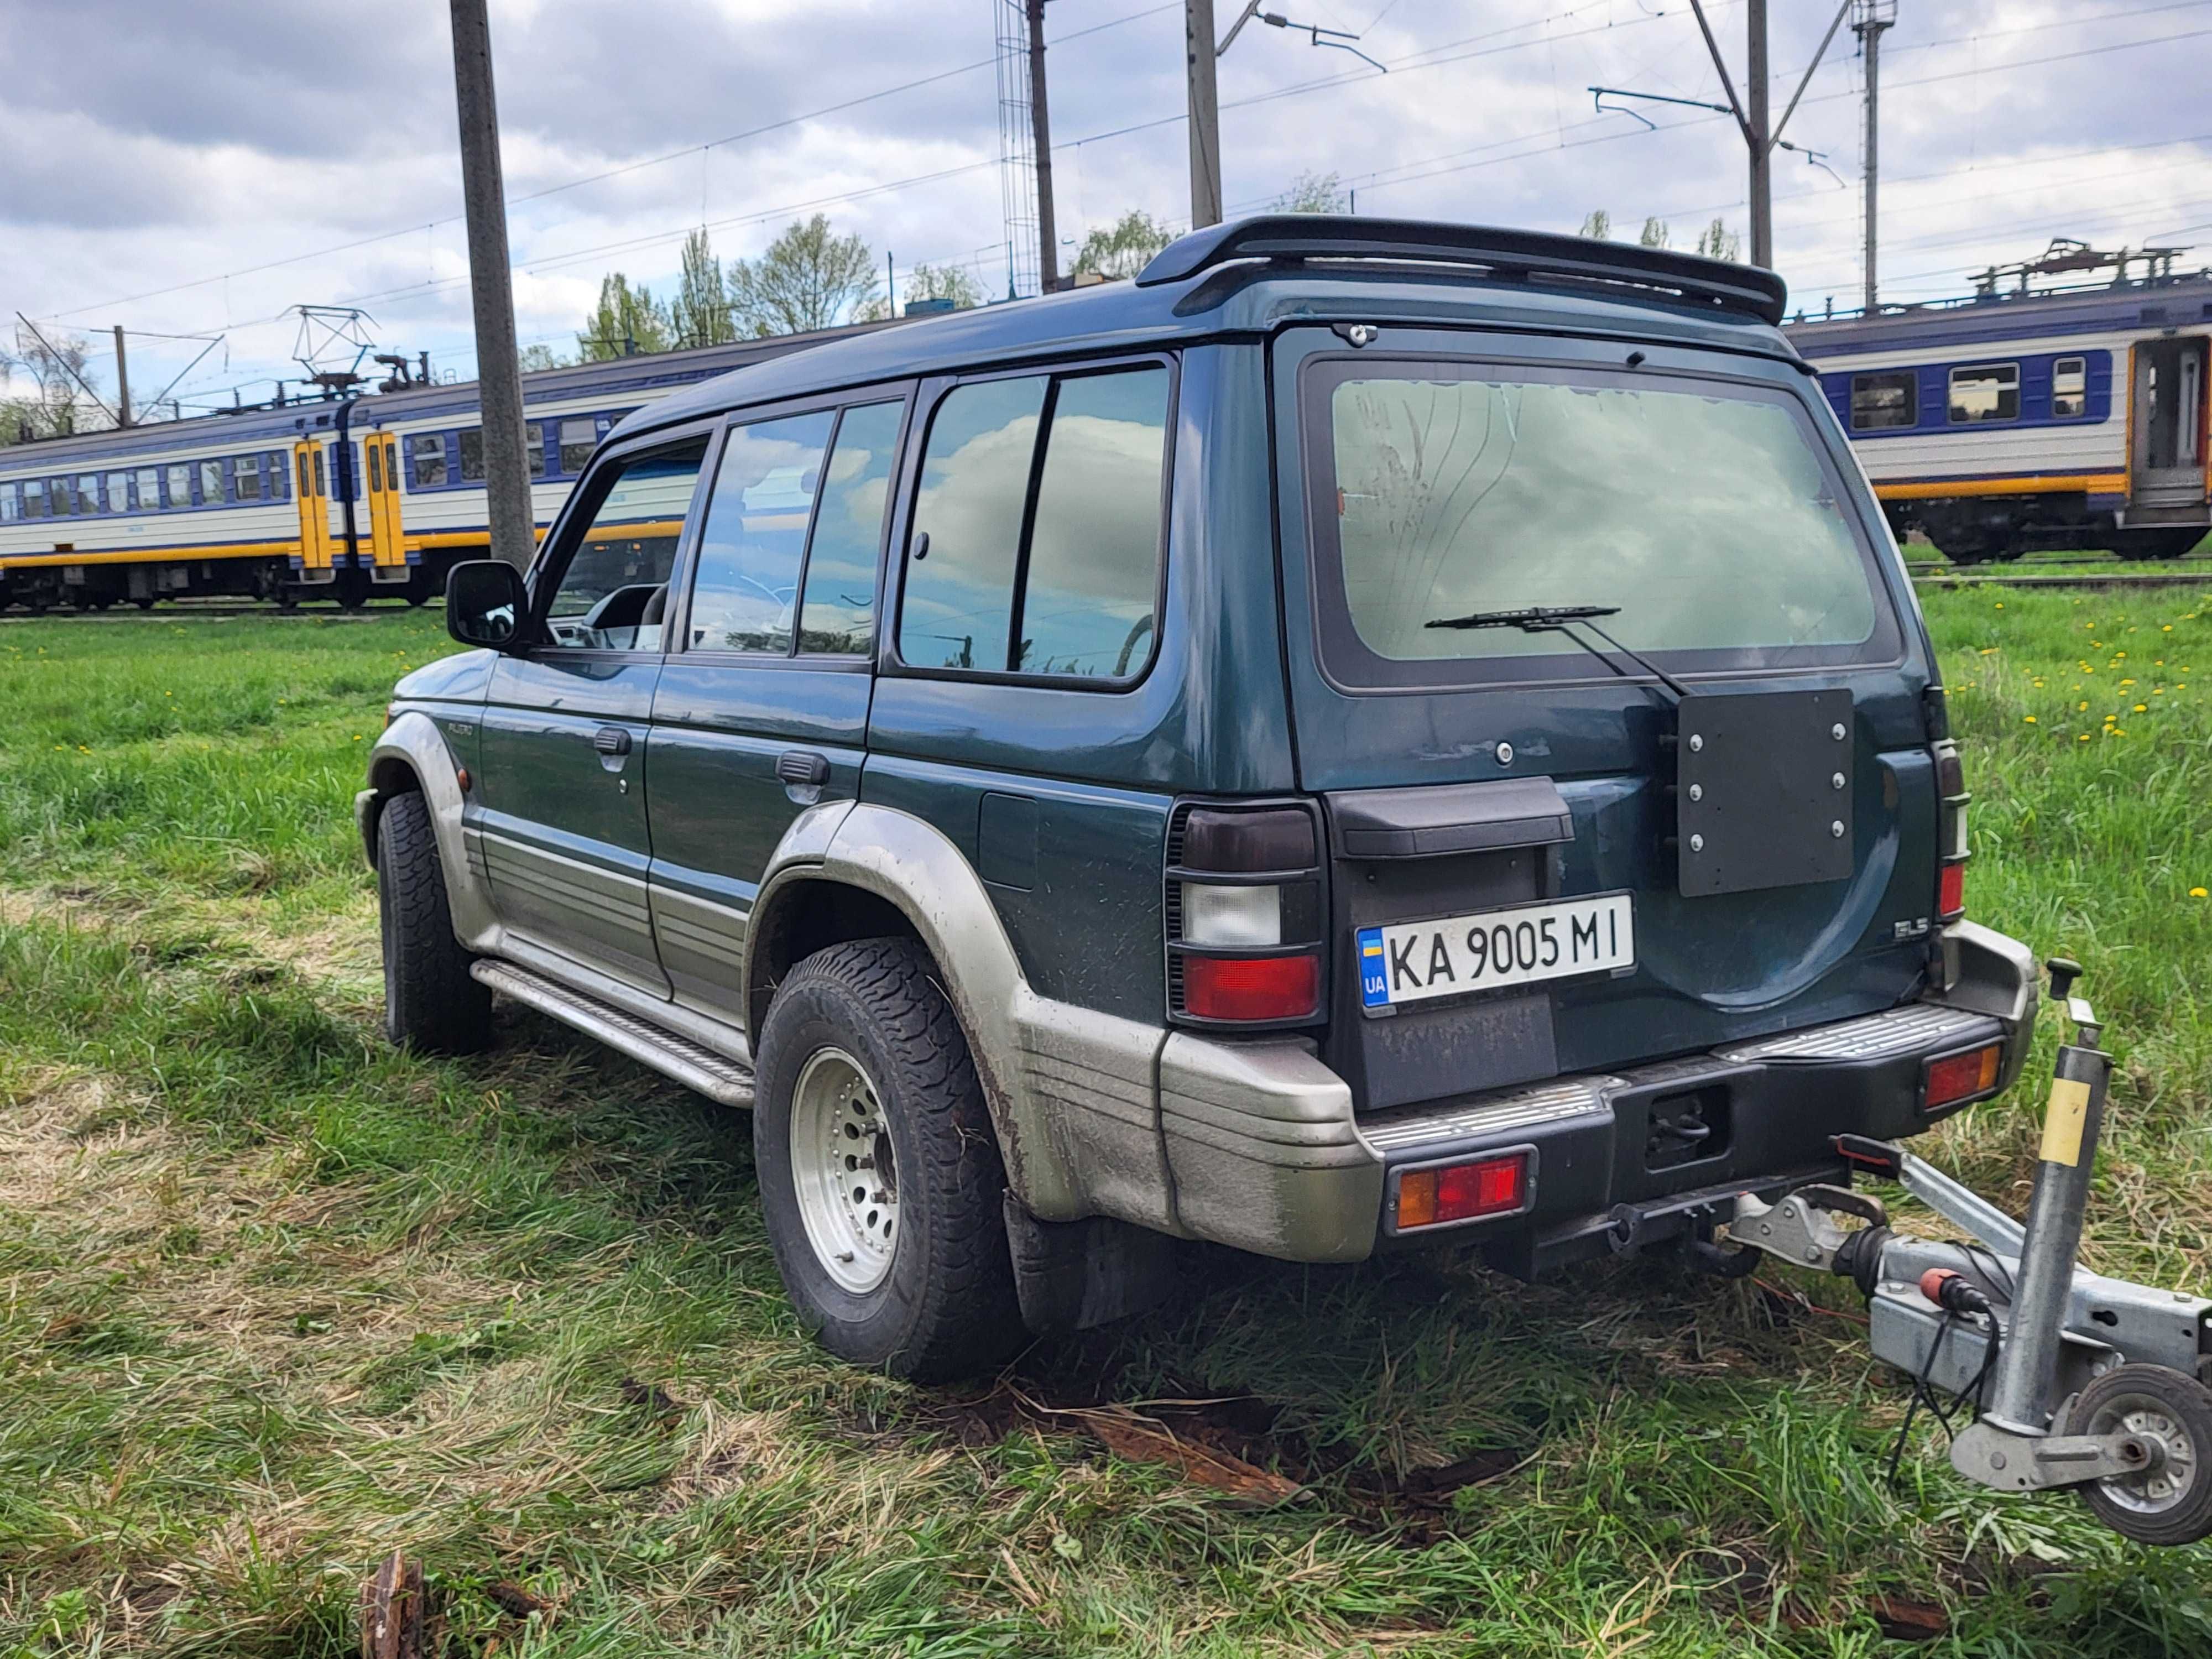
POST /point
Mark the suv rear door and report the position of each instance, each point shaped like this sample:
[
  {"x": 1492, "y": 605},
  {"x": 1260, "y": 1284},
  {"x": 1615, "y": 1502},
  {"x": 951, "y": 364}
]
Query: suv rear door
[{"x": 1516, "y": 775}]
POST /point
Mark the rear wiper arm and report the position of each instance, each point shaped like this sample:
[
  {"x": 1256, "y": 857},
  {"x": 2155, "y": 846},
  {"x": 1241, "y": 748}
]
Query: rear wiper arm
[{"x": 1564, "y": 619}]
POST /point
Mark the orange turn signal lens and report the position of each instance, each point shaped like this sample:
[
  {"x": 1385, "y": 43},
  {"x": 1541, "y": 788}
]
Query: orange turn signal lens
[
  {"x": 1960, "y": 1076},
  {"x": 1462, "y": 1192}
]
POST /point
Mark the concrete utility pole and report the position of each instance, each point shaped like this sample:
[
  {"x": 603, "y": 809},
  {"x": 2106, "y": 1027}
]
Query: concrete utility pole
[
  {"x": 499, "y": 368},
  {"x": 1760, "y": 138},
  {"x": 1873, "y": 16},
  {"x": 121, "y": 381},
  {"x": 1205, "y": 114},
  {"x": 1041, "y": 130}
]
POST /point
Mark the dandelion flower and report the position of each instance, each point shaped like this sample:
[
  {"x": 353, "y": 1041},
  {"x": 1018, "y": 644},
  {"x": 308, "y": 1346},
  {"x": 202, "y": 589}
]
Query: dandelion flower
[
  {"x": 2030, "y": 719},
  {"x": 2196, "y": 892}
]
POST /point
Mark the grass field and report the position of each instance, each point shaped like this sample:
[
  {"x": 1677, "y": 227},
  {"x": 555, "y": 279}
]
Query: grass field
[{"x": 275, "y": 1300}]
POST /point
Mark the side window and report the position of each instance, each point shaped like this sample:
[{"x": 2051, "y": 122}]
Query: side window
[
  {"x": 614, "y": 591},
  {"x": 533, "y": 446},
  {"x": 10, "y": 509},
  {"x": 245, "y": 472},
  {"x": 180, "y": 486},
  {"x": 1071, "y": 593},
  {"x": 472, "y": 455},
  {"x": 746, "y": 592},
  {"x": 118, "y": 492},
  {"x": 2070, "y": 388},
  {"x": 1986, "y": 392},
  {"x": 149, "y": 488},
  {"x": 578, "y": 438},
  {"x": 87, "y": 492},
  {"x": 273, "y": 463},
  {"x": 211, "y": 482},
  {"x": 35, "y": 504},
  {"x": 1880, "y": 401},
  {"x": 426, "y": 454},
  {"x": 838, "y": 617}
]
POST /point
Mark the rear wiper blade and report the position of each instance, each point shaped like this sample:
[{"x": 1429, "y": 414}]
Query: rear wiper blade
[{"x": 1564, "y": 619}]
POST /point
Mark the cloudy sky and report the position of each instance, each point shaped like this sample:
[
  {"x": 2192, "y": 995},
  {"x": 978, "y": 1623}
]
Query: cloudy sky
[{"x": 198, "y": 168}]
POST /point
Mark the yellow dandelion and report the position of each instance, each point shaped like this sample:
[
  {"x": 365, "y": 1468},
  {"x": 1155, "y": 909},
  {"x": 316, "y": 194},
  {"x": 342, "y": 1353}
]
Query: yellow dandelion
[
  {"x": 2197, "y": 892},
  {"x": 2030, "y": 719},
  {"x": 2142, "y": 709},
  {"x": 2082, "y": 707},
  {"x": 2083, "y": 738}
]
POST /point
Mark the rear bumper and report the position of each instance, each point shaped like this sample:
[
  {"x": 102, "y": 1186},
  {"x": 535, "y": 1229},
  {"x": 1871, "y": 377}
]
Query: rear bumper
[{"x": 1265, "y": 1152}]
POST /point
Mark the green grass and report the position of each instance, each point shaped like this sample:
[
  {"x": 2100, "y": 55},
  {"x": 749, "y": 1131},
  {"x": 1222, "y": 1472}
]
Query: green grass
[{"x": 275, "y": 1300}]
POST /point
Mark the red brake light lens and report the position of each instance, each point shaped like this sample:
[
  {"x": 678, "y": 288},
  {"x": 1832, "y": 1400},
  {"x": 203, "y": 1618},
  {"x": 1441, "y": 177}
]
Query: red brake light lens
[
  {"x": 1961, "y": 1077},
  {"x": 1951, "y": 892},
  {"x": 1462, "y": 1192},
  {"x": 1251, "y": 987}
]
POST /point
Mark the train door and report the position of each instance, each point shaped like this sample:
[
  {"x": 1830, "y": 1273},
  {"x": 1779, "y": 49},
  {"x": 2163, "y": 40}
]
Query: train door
[
  {"x": 387, "y": 537},
  {"x": 311, "y": 493},
  {"x": 2165, "y": 462}
]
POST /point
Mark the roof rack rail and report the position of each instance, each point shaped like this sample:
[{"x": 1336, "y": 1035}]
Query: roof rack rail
[{"x": 1517, "y": 255}]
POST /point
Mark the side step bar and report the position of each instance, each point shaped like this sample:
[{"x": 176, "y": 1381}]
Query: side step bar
[{"x": 688, "y": 1062}]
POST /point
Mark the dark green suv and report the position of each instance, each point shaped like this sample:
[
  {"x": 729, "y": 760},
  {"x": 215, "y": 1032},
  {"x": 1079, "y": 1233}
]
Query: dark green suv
[{"x": 1374, "y": 731}]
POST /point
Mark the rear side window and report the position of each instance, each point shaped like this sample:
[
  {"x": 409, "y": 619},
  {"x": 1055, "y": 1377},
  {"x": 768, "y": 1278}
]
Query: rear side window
[
  {"x": 838, "y": 617},
  {"x": 1703, "y": 510},
  {"x": 1041, "y": 499},
  {"x": 1882, "y": 401}
]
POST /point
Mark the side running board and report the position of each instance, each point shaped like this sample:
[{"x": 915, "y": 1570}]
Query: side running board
[{"x": 690, "y": 1064}]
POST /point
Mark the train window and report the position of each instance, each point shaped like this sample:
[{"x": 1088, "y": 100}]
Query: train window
[
  {"x": 11, "y": 509},
  {"x": 118, "y": 492},
  {"x": 1986, "y": 392},
  {"x": 533, "y": 445},
  {"x": 425, "y": 455},
  {"x": 211, "y": 483},
  {"x": 246, "y": 474},
  {"x": 87, "y": 492},
  {"x": 279, "y": 474},
  {"x": 579, "y": 437},
  {"x": 2070, "y": 388},
  {"x": 472, "y": 455},
  {"x": 149, "y": 489},
  {"x": 1884, "y": 400},
  {"x": 35, "y": 503},
  {"x": 180, "y": 486}
]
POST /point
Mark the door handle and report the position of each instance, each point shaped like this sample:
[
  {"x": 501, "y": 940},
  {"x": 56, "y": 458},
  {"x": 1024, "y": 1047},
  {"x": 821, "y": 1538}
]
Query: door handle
[
  {"x": 803, "y": 766},
  {"x": 611, "y": 740}
]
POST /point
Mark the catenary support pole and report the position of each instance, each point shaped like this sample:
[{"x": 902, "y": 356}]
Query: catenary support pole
[
  {"x": 121, "y": 381},
  {"x": 1875, "y": 17},
  {"x": 1205, "y": 115},
  {"x": 1761, "y": 142},
  {"x": 499, "y": 369},
  {"x": 1041, "y": 133}
]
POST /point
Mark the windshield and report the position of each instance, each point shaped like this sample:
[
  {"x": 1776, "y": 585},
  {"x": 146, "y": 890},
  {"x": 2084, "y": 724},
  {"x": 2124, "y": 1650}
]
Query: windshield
[{"x": 1703, "y": 511}]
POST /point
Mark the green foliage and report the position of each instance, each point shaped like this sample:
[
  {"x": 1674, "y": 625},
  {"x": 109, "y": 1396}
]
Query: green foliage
[
  {"x": 1312, "y": 192},
  {"x": 700, "y": 314},
  {"x": 1597, "y": 224},
  {"x": 535, "y": 357},
  {"x": 1124, "y": 248},
  {"x": 627, "y": 320},
  {"x": 955, "y": 282},
  {"x": 1717, "y": 242},
  {"x": 809, "y": 278},
  {"x": 1654, "y": 233}
]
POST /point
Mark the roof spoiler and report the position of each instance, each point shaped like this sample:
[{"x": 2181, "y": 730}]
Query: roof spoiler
[{"x": 1513, "y": 255}]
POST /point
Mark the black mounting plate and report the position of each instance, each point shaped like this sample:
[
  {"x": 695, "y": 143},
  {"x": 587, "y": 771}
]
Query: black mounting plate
[{"x": 1763, "y": 790}]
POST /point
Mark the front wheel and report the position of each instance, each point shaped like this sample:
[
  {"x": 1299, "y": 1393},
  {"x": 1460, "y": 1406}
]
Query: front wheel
[
  {"x": 431, "y": 1002},
  {"x": 880, "y": 1175},
  {"x": 2169, "y": 1501}
]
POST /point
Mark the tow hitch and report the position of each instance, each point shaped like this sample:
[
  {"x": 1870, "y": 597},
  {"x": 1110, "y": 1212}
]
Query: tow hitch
[{"x": 2076, "y": 1380}]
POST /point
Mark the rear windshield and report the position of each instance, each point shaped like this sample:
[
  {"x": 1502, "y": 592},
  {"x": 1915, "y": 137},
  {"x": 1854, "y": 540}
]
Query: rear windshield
[{"x": 1704, "y": 510}]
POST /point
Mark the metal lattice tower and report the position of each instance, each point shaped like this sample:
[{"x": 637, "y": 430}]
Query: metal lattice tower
[{"x": 1016, "y": 146}]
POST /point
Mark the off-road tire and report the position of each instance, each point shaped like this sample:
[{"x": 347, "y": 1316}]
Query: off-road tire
[
  {"x": 946, "y": 1307},
  {"x": 430, "y": 1002}
]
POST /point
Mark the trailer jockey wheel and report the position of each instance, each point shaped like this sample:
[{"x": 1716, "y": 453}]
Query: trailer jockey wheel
[{"x": 2170, "y": 1502}]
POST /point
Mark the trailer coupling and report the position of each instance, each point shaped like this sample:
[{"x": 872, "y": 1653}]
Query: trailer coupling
[{"x": 2075, "y": 1380}]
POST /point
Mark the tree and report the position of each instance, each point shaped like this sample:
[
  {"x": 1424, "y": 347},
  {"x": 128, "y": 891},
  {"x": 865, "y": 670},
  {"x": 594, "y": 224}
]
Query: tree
[
  {"x": 954, "y": 283},
  {"x": 810, "y": 277},
  {"x": 1654, "y": 233},
  {"x": 1125, "y": 248},
  {"x": 47, "y": 407},
  {"x": 1312, "y": 193},
  {"x": 626, "y": 319},
  {"x": 701, "y": 314},
  {"x": 1598, "y": 223},
  {"x": 1717, "y": 242}
]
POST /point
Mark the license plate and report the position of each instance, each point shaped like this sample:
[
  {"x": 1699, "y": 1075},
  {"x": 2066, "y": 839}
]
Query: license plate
[{"x": 1413, "y": 961}]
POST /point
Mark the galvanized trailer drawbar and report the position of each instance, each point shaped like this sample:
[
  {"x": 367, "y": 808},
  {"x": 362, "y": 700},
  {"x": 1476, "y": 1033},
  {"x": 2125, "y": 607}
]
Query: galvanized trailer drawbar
[{"x": 2075, "y": 1380}]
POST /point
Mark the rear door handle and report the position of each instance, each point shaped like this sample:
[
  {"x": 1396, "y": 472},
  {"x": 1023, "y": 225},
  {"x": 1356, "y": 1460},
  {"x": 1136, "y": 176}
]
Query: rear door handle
[
  {"x": 803, "y": 766},
  {"x": 611, "y": 740}
]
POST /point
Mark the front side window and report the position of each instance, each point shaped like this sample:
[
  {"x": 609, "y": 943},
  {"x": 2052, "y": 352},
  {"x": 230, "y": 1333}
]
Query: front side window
[
  {"x": 211, "y": 482},
  {"x": 245, "y": 473},
  {"x": 613, "y": 592},
  {"x": 1704, "y": 513},
  {"x": 1986, "y": 392},
  {"x": 2070, "y": 388},
  {"x": 426, "y": 456},
  {"x": 745, "y": 594},
  {"x": 578, "y": 438},
  {"x": 180, "y": 486},
  {"x": 1881, "y": 401},
  {"x": 1041, "y": 500}
]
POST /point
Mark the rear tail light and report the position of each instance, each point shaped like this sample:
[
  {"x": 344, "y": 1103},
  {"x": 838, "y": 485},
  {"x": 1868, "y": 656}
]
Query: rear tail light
[
  {"x": 1956, "y": 1078},
  {"x": 1244, "y": 915},
  {"x": 1951, "y": 830},
  {"x": 1462, "y": 1191}
]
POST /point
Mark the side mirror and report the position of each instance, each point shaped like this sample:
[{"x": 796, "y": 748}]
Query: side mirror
[{"x": 485, "y": 603}]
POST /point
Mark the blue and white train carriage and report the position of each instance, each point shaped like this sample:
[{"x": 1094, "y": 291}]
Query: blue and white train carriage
[
  {"x": 377, "y": 494},
  {"x": 2011, "y": 422}
]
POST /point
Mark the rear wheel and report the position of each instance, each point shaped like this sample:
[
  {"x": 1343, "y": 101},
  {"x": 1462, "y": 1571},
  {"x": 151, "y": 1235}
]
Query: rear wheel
[
  {"x": 430, "y": 1001},
  {"x": 2170, "y": 1502},
  {"x": 879, "y": 1172}
]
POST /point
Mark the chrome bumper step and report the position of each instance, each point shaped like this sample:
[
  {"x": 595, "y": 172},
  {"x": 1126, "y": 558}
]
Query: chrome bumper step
[{"x": 689, "y": 1063}]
